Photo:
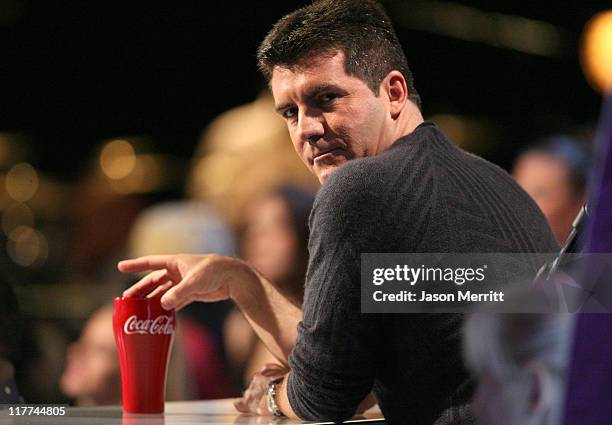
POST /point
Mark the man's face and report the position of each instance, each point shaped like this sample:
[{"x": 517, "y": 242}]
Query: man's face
[
  {"x": 547, "y": 180},
  {"x": 332, "y": 117},
  {"x": 92, "y": 367}
]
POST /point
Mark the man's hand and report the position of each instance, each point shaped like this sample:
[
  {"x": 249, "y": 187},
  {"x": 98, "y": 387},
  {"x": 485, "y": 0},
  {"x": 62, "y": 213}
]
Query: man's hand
[
  {"x": 254, "y": 398},
  {"x": 183, "y": 278}
]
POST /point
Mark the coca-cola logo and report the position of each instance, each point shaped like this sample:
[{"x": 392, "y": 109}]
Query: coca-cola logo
[{"x": 158, "y": 326}]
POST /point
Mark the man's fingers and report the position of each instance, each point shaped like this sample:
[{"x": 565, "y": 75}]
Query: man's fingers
[
  {"x": 250, "y": 401},
  {"x": 240, "y": 406},
  {"x": 244, "y": 405},
  {"x": 143, "y": 264},
  {"x": 274, "y": 371},
  {"x": 179, "y": 295},
  {"x": 147, "y": 284},
  {"x": 160, "y": 289}
]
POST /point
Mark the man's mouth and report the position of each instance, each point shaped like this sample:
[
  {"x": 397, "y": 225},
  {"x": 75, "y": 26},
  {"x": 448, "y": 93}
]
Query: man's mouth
[{"x": 325, "y": 154}]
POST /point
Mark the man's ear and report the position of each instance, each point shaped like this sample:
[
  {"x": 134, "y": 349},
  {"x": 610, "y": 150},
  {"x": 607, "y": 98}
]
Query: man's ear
[
  {"x": 394, "y": 88},
  {"x": 540, "y": 391}
]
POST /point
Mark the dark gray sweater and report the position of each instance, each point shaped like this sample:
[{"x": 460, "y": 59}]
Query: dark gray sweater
[{"x": 421, "y": 195}]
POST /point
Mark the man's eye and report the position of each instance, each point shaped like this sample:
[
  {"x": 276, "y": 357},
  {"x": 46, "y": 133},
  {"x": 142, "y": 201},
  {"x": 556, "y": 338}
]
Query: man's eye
[
  {"x": 289, "y": 112},
  {"x": 328, "y": 97}
]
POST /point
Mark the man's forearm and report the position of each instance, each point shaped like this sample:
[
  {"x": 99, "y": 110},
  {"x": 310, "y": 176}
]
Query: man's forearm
[
  {"x": 273, "y": 315},
  {"x": 283, "y": 399}
]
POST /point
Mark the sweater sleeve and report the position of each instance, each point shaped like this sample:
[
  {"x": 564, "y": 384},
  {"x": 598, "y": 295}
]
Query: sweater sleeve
[{"x": 335, "y": 358}]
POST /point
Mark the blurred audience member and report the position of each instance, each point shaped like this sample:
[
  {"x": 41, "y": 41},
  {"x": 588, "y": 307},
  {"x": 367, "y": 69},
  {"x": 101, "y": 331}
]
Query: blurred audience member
[
  {"x": 554, "y": 173},
  {"x": 243, "y": 154},
  {"x": 10, "y": 331},
  {"x": 180, "y": 226},
  {"x": 203, "y": 361},
  {"x": 92, "y": 375},
  {"x": 520, "y": 361},
  {"x": 275, "y": 242}
]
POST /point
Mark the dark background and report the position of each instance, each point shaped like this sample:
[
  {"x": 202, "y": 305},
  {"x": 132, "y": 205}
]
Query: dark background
[{"x": 75, "y": 72}]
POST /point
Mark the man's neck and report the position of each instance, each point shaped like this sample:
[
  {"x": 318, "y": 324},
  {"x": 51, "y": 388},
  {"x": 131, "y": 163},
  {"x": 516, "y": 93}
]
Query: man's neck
[{"x": 409, "y": 119}]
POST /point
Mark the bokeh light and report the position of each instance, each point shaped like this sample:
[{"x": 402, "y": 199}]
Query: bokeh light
[
  {"x": 27, "y": 246},
  {"x": 21, "y": 182},
  {"x": 146, "y": 175},
  {"x": 596, "y": 52},
  {"x": 472, "y": 133},
  {"x": 117, "y": 159},
  {"x": 16, "y": 215}
]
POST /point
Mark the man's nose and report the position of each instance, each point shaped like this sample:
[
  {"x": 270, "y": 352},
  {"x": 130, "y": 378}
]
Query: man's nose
[{"x": 311, "y": 129}]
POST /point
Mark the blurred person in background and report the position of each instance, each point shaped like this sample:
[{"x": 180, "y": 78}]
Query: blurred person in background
[
  {"x": 92, "y": 372},
  {"x": 10, "y": 333},
  {"x": 275, "y": 242},
  {"x": 242, "y": 155},
  {"x": 520, "y": 361},
  {"x": 554, "y": 173},
  {"x": 92, "y": 375},
  {"x": 192, "y": 226}
]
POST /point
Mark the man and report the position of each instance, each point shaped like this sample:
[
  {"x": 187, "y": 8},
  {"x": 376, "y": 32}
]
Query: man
[
  {"x": 554, "y": 173},
  {"x": 390, "y": 183},
  {"x": 92, "y": 374},
  {"x": 522, "y": 370}
]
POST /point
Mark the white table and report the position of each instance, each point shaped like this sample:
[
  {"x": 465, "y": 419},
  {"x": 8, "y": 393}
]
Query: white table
[{"x": 217, "y": 412}]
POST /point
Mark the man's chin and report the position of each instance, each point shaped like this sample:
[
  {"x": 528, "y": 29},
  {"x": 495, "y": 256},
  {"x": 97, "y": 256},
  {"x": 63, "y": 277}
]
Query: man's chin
[{"x": 324, "y": 172}]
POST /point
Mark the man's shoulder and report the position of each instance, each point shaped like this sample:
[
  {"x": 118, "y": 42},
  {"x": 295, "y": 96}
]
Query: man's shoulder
[
  {"x": 355, "y": 175},
  {"x": 354, "y": 183},
  {"x": 364, "y": 181},
  {"x": 372, "y": 172}
]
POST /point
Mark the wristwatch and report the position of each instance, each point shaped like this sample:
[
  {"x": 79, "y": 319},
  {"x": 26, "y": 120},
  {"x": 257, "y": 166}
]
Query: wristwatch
[{"x": 271, "y": 397}]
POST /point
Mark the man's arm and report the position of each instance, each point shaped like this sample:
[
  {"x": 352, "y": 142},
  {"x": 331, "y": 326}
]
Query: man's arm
[
  {"x": 334, "y": 359},
  {"x": 273, "y": 315},
  {"x": 254, "y": 399}
]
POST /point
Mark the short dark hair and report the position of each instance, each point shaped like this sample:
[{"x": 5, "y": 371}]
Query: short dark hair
[{"x": 359, "y": 28}]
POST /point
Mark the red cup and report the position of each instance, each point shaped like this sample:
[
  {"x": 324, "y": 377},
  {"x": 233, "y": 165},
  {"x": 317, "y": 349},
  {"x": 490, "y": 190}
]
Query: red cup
[{"x": 144, "y": 332}]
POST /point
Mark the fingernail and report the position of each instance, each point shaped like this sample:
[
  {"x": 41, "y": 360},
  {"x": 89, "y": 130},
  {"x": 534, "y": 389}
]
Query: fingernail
[{"x": 166, "y": 305}]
